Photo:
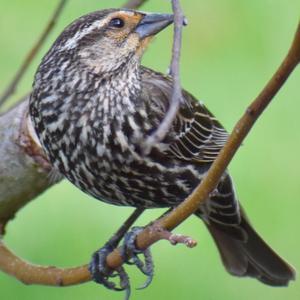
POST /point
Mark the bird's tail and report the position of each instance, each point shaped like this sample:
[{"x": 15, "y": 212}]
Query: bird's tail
[{"x": 251, "y": 257}]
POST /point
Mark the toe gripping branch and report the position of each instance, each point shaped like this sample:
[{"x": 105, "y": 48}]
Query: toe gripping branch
[
  {"x": 102, "y": 274},
  {"x": 131, "y": 253}
]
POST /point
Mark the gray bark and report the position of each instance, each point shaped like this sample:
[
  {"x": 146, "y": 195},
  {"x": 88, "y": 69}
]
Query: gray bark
[{"x": 24, "y": 171}]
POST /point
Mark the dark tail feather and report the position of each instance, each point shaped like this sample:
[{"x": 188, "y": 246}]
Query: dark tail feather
[{"x": 252, "y": 257}]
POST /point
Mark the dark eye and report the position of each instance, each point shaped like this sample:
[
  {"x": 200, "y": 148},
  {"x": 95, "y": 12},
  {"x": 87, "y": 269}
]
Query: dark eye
[{"x": 117, "y": 23}]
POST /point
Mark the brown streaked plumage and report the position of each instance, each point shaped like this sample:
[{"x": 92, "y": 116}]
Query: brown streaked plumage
[{"x": 93, "y": 105}]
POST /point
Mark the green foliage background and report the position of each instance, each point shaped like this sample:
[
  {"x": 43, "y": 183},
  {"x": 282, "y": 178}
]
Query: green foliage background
[{"x": 231, "y": 48}]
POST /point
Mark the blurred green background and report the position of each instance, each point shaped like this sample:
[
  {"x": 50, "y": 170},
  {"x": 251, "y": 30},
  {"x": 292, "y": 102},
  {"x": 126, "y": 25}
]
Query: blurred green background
[{"x": 230, "y": 50}]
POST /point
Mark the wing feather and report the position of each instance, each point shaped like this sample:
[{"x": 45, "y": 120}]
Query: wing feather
[{"x": 197, "y": 135}]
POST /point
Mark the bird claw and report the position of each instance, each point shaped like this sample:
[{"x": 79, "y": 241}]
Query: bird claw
[
  {"x": 130, "y": 255},
  {"x": 101, "y": 273}
]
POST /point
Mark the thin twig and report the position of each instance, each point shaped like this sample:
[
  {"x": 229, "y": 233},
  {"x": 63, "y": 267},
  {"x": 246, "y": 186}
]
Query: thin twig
[
  {"x": 162, "y": 130},
  {"x": 133, "y": 4},
  {"x": 32, "y": 53}
]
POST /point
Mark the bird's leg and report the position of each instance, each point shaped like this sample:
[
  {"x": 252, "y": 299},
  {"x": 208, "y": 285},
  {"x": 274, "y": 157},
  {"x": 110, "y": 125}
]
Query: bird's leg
[
  {"x": 101, "y": 273},
  {"x": 130, "y": 253},
  {"x": 98, "y": 268}
]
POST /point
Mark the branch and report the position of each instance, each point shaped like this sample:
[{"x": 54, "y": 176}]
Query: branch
[
  {"x": 162, "y": 130},
  {"x": 32, "y": 53},
  {"x": 52, "y": 276},
  {"x": 34, "y": 274},
  {"x": 23, "y": 168}
]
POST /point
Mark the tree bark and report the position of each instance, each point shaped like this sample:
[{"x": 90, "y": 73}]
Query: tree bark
[{"x": 23, "y": 168}]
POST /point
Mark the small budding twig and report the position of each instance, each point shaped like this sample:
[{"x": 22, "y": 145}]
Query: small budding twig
[
  {"x": 162, "y": 130},
  {"x": 173, "y": 238},
  {"x": 32, "y": 53}
]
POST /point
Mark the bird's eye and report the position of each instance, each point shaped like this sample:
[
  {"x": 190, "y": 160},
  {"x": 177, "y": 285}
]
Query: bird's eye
[{"x": 117, "y": 23}]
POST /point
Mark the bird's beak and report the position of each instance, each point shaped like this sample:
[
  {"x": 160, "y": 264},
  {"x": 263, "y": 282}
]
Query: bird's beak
[{"x": 151, "y": 24}]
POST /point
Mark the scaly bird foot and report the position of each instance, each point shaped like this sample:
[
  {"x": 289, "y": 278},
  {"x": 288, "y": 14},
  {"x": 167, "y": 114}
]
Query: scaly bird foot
[
  {"x": 130, "y": 255},
  {"x": 102, "y": 274}
]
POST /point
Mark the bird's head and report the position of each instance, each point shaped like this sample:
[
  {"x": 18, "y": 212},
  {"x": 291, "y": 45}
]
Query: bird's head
[{"x": 106, "y": 40}]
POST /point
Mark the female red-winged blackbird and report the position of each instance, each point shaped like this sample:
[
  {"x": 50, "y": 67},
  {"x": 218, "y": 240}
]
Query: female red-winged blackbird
[{"x": 93, "y": 105}]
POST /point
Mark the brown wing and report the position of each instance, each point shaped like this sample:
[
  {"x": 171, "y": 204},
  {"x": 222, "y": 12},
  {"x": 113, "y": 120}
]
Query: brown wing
[{"x": 197, "y": 135}]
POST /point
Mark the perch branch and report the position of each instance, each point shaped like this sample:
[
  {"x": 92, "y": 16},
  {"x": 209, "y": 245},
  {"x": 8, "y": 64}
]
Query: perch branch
[
  {"x": 34, "y": 274},
  {"x": 146, "y": 238},
  {"x": 32, "y": 53}
]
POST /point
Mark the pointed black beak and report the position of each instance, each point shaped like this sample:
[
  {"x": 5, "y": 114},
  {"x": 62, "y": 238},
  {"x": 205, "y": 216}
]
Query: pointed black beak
[{"x": 151, "y": 24}]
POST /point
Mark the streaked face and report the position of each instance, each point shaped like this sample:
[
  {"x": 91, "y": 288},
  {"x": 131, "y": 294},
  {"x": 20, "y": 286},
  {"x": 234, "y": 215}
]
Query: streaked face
[{"x": 106, "y": 40}]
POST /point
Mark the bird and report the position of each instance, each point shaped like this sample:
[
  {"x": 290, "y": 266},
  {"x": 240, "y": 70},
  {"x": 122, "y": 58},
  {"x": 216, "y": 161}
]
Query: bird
[{"x": 93, "y": 104}]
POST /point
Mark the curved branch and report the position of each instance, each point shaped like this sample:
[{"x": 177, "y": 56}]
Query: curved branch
[
  {"x": 34, "y": 274},
  {"x": 29, "y": 273}
]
